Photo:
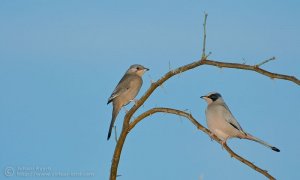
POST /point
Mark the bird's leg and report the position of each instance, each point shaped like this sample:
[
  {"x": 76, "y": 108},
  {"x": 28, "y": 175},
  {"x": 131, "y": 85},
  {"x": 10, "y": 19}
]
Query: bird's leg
[
  {"x": 126, "y": 111},
  {"x": 211, "y": 134},
  {"x": 134, "y": 100},
  {"x": 223, "y": 143}
]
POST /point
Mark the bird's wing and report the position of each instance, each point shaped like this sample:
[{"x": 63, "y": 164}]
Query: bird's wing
[
  {"x": 123, "y": 86},
  {"x": 230, "y": 118}
]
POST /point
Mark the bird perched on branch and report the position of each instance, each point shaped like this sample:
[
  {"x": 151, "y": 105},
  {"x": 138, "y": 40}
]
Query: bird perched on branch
[
  {"x": 126, "y": 90},
  {"x": 222, "y": 123}
]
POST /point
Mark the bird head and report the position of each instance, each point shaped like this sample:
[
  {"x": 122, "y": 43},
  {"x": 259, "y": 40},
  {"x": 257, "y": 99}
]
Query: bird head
[
  {"x": 137, "y": 69},
  {"x": 211, "y": 97}
]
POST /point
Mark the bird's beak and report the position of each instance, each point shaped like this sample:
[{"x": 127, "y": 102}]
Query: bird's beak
[
  {"x": 203, "y": 97},
  {"x": 146, "y": 69}
]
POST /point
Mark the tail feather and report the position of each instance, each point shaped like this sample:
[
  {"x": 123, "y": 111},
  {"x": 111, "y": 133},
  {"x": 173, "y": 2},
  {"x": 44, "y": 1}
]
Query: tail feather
[
  {"x": 116, "y": 110},
  {"x": 253, "y": 138}
]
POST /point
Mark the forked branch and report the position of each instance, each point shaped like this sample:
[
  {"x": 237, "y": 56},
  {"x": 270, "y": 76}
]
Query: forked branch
[{"x": 127, "y": 126}]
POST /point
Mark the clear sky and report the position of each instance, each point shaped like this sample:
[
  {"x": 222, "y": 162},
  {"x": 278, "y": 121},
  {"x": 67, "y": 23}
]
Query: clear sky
[{"x": 60, "y": 61}]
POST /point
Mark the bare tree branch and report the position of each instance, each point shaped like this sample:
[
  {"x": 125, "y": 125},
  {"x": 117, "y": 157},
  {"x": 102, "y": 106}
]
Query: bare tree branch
[
  {"x": 126, "y": 127},
  {"x": 200, "y": 127},
  {"x": 252, "y": 68},
  {"x": 203, "y": 61}
]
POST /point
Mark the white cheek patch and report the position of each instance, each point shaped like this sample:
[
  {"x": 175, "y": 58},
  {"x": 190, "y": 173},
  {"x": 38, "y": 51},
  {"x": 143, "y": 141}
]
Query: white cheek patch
[{"x": 208, "y": 100}]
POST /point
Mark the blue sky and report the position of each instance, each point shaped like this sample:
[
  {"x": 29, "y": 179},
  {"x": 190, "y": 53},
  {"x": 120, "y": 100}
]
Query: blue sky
[{"x": 60, "y": 61}]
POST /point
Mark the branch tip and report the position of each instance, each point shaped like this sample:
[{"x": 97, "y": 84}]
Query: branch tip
[
  {"x": 204, "y": 37},
  {"x": 265, "y": 61}
]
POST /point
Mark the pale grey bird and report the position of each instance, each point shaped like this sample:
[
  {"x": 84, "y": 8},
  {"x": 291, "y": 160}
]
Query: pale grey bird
[
  {"x": 126, "y": 90},
  {"x": 222, "y": 123}
]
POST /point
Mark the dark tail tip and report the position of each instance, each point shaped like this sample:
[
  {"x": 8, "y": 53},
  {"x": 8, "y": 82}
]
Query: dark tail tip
[
  {"x": 109, "y": 134},
  {"x": 275, "y": 149},
  {"x": 109, "y": 101}
]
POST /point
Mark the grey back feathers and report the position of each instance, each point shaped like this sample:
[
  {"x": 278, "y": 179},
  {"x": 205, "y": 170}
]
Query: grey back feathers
[
  {"x": 223, "y": 124},
  {"x": 124, "y": 84},
  {"x": 126, "y": 90}
]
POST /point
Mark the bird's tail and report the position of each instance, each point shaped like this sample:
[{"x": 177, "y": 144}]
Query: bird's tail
[
  {"x": 253, "y": 138},
  {"x": 116, "y": 110}
]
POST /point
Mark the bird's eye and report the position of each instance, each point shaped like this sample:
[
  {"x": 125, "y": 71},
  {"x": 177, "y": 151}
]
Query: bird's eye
[
  {"x": 214, "y": 97},
  {"x": 138, "y": 68}
]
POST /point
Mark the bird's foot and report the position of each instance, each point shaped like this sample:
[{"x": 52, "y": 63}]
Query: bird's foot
[
  {"x": 126, "y": 111},
  {"x": 223, "y": 143},
  {"x": 211, "y": 134},
  {"x": 135, "y": 101}
]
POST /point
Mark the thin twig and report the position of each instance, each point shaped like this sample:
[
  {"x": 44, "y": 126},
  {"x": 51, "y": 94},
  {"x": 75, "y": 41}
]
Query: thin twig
[
  {"x": 266, "y": 61},
  {"x": 204, "y": 37},
  {"x": 170, "y": 67}
]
